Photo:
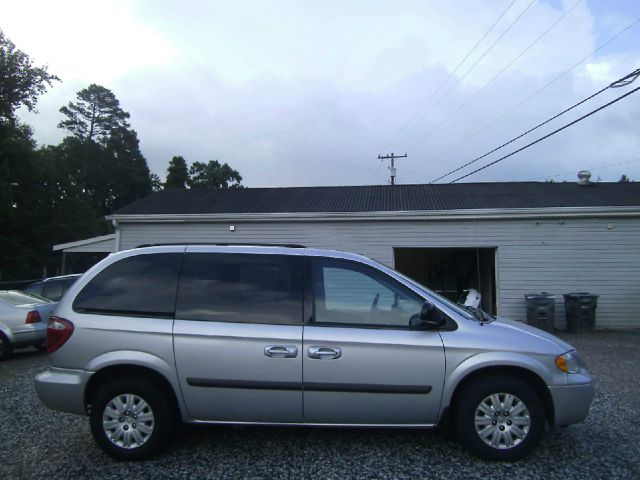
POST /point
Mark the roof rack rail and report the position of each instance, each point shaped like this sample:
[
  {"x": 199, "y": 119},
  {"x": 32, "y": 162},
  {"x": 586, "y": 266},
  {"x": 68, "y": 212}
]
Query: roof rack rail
[{"x": 245, "y": 244}]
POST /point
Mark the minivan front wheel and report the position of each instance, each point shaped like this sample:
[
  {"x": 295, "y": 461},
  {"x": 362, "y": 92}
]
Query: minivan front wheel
[
  {"x": 130, "y": 418},
  {"x": 500, "y": 418}
]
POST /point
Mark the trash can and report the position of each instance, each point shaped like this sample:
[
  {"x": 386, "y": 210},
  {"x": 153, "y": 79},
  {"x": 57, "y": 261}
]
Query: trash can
[
  {"x": 541, "y": 310},
  {"x": 580, "y": 310}
]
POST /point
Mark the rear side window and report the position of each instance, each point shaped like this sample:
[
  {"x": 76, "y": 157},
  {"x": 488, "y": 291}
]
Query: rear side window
[
  {"x": 248, "y": 288},
  {"x": 35, "y": 288},
  {"x": 142, "y": 285},
  {"x": 53, "y": 290}
]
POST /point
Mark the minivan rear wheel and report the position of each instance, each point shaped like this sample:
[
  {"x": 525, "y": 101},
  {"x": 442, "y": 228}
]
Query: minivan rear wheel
[
  {"x": 130, "y": 418},
  {"x": 500, "y": 418}
]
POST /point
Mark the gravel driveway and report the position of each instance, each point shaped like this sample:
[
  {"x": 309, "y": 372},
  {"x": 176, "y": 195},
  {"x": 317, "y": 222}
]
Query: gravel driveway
[{"x": 39, "y": 443}]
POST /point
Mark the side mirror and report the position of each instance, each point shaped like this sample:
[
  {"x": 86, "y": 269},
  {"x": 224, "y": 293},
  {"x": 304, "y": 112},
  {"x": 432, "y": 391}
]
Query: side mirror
[{"x": 430, "y": 318}]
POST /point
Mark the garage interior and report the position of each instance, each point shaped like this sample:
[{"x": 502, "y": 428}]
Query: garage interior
[{"x": 450, "y": 271}]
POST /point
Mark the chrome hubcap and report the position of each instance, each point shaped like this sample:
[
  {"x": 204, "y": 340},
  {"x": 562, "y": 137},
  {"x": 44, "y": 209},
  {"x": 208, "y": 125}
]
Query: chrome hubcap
[
  {"x": 502, "y": 421},
  {"x": 128, "y": 421}
]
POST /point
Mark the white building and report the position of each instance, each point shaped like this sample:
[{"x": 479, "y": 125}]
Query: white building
[{"x": 505, "y": 239}]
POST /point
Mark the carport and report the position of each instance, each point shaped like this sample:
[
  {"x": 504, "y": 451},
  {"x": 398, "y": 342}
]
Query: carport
[{"x": 77, "y": 257}]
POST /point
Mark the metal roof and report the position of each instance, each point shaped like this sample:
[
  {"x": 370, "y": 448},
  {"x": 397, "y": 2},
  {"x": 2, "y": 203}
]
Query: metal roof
[
  {"x": 386, "y": 198},
  {"x": 101, "y": 244}
]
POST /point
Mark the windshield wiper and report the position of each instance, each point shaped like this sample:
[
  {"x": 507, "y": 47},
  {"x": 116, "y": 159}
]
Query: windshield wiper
[{"x": 481, "y": 315}]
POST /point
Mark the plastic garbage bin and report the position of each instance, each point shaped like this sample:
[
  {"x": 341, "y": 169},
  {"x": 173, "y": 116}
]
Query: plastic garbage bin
[
  {"x": 580, "y": 310},
  {"x": 541, "y": 310}
]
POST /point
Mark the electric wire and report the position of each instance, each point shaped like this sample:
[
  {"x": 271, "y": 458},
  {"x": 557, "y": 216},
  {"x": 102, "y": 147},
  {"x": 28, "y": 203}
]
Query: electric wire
[
  {"x": 572, "y": 172},
  {"x": 416, "y": 115},
  {"x": 626, "y": 80},
  {"x": 544, "y": 137},
  {"x": 373, "y": 170},
  {"x": 532, "y": 95},
  {"x": 484, "y": 87}
]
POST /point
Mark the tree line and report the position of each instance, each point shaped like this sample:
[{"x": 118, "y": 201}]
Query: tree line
[{"x": 60, "y": 193}]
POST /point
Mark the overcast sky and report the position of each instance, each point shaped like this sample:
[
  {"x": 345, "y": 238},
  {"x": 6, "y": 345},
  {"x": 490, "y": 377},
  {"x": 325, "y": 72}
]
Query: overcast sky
[{"x": 297, "y": 93}]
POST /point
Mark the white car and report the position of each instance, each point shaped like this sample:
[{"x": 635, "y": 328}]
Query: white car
[{"x": 23, "y": 320}]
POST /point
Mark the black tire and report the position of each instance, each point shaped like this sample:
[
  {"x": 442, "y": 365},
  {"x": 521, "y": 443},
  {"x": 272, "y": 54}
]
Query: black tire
[
  {"x": 6, "y": 350},
  {"x": 161, "y": 409},
  {"x": 469, "y": 403}
]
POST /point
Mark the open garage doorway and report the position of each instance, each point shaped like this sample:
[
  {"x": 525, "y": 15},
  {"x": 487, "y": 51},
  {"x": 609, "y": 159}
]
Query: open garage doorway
[{"x": 450, "y": 271}]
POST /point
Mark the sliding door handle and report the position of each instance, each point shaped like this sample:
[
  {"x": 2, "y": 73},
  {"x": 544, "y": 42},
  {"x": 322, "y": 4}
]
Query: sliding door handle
[
  {"x": 281, "y": 351},
  {"x": 325, "y": 353}
]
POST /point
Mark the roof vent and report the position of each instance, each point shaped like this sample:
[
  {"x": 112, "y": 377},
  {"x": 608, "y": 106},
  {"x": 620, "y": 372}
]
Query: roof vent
[{"x": 583, "y": 177}]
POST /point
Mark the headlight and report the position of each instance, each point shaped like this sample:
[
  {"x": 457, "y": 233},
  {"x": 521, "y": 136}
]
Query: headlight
[{"x": 569, "y": 362}]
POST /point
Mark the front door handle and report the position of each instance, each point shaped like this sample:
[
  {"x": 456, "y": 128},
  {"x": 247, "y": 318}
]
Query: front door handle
[
  {"x": 325, "y": 353},
  {"x": 281, "y": 351}
]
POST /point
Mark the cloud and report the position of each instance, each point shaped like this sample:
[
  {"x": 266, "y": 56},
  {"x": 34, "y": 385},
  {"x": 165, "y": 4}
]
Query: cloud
[
  {"x": 85, "y": 41},
  {"x": 309, "y": 93}
]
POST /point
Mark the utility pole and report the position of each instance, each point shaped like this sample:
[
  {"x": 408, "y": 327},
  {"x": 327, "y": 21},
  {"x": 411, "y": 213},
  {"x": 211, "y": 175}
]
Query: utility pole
[{"x": 392, "y": 157}]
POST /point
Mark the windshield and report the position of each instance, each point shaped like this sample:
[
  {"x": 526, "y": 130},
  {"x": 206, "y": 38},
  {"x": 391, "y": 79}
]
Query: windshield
[
  {"x": 15, "y": 297},
  {"x": 457, "y": 308}
]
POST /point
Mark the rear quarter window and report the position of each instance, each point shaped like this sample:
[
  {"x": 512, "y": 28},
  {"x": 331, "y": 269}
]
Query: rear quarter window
[{"x": 142, "y": 285}]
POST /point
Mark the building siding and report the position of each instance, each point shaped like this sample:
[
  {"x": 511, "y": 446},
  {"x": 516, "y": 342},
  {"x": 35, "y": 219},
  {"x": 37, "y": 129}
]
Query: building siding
[{"x": 597, "y": 255}]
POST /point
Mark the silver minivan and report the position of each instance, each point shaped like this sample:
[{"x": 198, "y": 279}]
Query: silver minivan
[{"x": 296, "y": 336}]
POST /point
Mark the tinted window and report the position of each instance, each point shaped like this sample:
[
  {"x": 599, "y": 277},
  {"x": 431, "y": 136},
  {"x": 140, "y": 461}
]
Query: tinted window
[
  {"x": 53, "y": 290},
  {"x": 241, "y": 288},
  {"x": 143, "y": 285},
  {"x": 35, "y": 288},
  {"x": 352, "y": 293}
]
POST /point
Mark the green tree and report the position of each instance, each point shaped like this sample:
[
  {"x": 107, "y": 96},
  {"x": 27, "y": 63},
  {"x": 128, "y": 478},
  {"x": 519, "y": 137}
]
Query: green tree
[
  {"x": 213, "y": 175},
  {"x": 129, "y": 173},
  {"x": 20, "y": 82},
  {"x": 95, "y": 114},
  {"x": 102, "y": 154},
  {"x": 20, "y": 85},
  {"x": 60, "y": 208},
  {"x": 156, "y": 183},
  {"x": 177, "y": 174},
  {"x": 16, "y": 152},
  {"x": 624, "y": 179}
]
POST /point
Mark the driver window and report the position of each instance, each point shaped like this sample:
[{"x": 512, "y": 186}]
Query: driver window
[{"x": 351, "y": 293}]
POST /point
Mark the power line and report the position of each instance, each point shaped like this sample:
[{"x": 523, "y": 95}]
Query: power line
[
  {"x": 372, "y": 171},
  {"x": 626, "y": 80},
  {"x": 532, "y": 95},
  {"x": 416, "y": 115},
  {"x": 547, "y": 135},
  {"x": 478, "y": 92},
  {"x": 600, "y": 167}
]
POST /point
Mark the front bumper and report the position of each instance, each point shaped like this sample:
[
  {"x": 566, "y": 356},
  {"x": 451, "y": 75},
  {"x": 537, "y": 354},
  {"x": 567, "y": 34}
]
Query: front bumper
[
  {"x": 571, "y": 402},
  {"x": 63, "y": 389}
]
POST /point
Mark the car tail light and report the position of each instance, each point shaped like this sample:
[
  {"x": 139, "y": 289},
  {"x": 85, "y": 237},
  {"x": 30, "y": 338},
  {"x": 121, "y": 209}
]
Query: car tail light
[
  {"x": 33, "y": 317},
  {"x": 58, "y": 332}
]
